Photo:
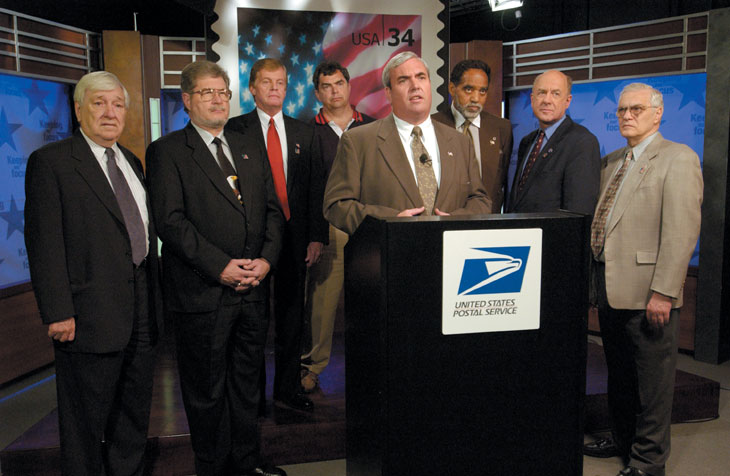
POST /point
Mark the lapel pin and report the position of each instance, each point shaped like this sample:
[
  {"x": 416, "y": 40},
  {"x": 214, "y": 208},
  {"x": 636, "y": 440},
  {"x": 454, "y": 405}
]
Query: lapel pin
[
  {"x": 244, "y": 156},
  {"x": 491, "y": 142},
  {"x": 296, "y": 149},
  {"x": 450, "y": 153}
]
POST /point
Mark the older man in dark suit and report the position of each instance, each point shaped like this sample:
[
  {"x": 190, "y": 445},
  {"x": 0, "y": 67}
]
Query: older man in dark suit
[
  {"x": 93, "y": 263},
  {"x": 405, "y": 164},
  {"x": 559, "y": 164},
  {"x": 490, "y": 135},
  {"x": 220, "y": 226},
  {"x": 299, "y": 180}
]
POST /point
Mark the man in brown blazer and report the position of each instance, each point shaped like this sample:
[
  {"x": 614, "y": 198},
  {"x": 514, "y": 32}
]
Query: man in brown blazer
[
  {"x": 644, "y": 231},
  {"x": 490, "y": 135},
  {"x": 405, "y": 164}
]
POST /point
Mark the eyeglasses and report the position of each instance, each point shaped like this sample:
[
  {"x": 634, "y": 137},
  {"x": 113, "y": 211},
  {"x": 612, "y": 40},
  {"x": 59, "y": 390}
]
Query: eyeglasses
[
  {"x": 207, "y": 95},
  {"x": 634, "y": 110}
]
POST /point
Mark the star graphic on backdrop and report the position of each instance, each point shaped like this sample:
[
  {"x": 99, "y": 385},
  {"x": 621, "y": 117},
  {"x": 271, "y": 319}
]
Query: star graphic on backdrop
[
  {"x": 268, "y": 39},
  {"x": 281, "y": 49},
  {"x": 317, "y": 48},
  {"x": 291, "y": 107},
  {"x": 255, "y": 30},
  {"x": 246, "y": 95},
  {"x": 317, "y": 107},
  {"x": 14, "y": 218},
  {"x": 303, "y": 39},
  {"x": 262, "y": 55},
  {"x": 605, "y": 93},
  {"x": 6, "y": 130},
  {"x": 35, "y": 98},
  {"x": 693, "y": 95},
  {"x": 324, "y": 26},
  {"x": 309, "y": 68},
  {"x": 300, "y": 88},
  {"x": 243, "y": 67},
  {"x": 249, "y": 49},
  {"x": 294, "y": 59},
  {"x": 300, "y": 103}
]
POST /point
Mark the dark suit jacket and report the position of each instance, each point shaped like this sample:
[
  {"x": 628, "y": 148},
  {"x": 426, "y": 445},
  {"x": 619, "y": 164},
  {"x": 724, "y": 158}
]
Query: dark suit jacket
[
  {"x": 201, "y": 222},
  {"x": 78, "y": 248},
  {"x": 495, "y": 142},
  {"x": 566, "y": 175},
  {"x": 305, "y": 178},
  {"x": 371, "y": 176}
]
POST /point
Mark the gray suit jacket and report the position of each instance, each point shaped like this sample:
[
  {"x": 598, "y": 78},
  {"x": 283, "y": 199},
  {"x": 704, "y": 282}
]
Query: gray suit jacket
[
  {"x": 653, "y": 228},
  {"x": 371, "y": 176}
]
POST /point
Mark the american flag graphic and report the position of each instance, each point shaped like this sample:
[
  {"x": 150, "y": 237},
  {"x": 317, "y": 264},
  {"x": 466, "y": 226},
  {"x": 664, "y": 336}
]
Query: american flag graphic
[{"x": 362, "y": 43}]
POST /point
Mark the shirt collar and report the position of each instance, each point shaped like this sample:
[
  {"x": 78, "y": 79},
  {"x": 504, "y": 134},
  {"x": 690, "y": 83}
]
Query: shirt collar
[
  {"x": 321, "y": 117},
  {"x": 264, "y": 118},
  {"x": 207, "y": 136},
  {"x": 639, "y": 148},
  {"x": 406, "y": 127},
  {"x": 553, "y": 127}
]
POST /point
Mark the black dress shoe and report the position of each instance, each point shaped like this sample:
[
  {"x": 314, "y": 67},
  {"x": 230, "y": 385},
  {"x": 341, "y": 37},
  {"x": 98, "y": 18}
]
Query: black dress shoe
[
  {"x": 296, "y": 402},
  {"x": 265, "y": 471},
  {"x": 601, "y": 448},
  {"x": 631, "y": 471}
]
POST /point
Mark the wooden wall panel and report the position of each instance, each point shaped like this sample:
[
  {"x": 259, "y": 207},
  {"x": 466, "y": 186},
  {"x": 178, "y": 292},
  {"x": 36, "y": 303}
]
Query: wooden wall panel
[
  {"x": 24, "y": 343},
  {"x": 123, "y": 57}
]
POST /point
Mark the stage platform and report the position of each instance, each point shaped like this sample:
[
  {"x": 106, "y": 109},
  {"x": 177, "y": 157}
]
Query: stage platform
[{"x": 295, "y": 437}]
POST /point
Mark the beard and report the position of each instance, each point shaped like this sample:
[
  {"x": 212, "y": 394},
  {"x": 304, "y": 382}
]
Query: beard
[{"x": 466, "y": 112}]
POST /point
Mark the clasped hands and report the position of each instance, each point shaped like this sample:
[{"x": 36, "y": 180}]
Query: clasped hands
[{"x": 243, "y": 274}]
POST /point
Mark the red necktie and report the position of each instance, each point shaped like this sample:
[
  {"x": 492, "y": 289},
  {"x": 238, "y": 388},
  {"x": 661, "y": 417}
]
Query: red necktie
[{"x": 276, "y": 159}]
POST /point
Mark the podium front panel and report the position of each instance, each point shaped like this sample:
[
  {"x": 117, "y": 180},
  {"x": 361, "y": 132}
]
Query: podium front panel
[{"x": 493, "y": 403}]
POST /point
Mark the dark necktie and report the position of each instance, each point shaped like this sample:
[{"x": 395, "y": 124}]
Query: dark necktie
[
  {"x": 276, "y": 159},
  {"x": 427, "y": 185},
  {"x": 128, "y": 206},
  {"x": 227, "y": 168},
  {"x": 598, "y": 227},
  {"x": 531, "y": 160}
]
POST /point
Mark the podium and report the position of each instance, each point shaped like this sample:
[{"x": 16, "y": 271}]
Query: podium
[{"x": 420, "y": 402}]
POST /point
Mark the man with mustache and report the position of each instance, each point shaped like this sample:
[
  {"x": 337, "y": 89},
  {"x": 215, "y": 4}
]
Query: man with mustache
[
  {"x": 405, "y": 164},
  {"x": 220, "y": 225},
  {"x": 490, "y": 135},
  {"x": 558, "y": 165},
  {"x": 299, "y": 181}
]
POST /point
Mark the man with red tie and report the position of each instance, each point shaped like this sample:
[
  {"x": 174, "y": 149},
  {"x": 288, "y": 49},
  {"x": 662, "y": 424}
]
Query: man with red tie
[{"x": 299, "y": 181}]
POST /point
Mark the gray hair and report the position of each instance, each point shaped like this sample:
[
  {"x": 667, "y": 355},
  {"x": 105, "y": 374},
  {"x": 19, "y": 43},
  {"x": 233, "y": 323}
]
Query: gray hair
[
  {"x": 98, "y": 81},
  {"x": 398, "y": 60},
  {"x": 656, "y": 99}
]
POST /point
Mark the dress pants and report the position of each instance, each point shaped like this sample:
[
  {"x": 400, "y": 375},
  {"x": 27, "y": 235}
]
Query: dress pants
[
  {"x": 641, "y": 364},
  {"x": 104, "y": 400},
  {"x": 220, "y": 355},
  {"x": 324, "y": 287},
  {"x": 288, "y": 286}
]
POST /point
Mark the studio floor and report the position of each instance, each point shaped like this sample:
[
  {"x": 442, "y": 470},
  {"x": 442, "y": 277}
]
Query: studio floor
[{"x": 699, "y": 448}]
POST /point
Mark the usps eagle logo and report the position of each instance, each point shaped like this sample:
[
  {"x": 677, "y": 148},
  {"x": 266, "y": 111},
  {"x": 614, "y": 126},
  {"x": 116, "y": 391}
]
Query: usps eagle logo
[{"x": 494, "y": 270}]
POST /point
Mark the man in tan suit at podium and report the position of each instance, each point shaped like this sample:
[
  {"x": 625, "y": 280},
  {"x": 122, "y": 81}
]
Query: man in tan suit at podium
[
  {"x": 644, "y": 231},
  {"x": 405, "y": 164}
]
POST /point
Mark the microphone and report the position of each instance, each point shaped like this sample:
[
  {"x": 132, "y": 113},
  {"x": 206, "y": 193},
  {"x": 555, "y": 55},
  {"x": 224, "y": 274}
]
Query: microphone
[{"x": 424, "y": 159}]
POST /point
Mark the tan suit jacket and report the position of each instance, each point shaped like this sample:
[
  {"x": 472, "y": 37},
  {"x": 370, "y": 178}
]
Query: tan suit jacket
[
  {"x": 654, "y": 225},
  {"x": 495, "y": 142},
  {"x": 371, "y": 176}
]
